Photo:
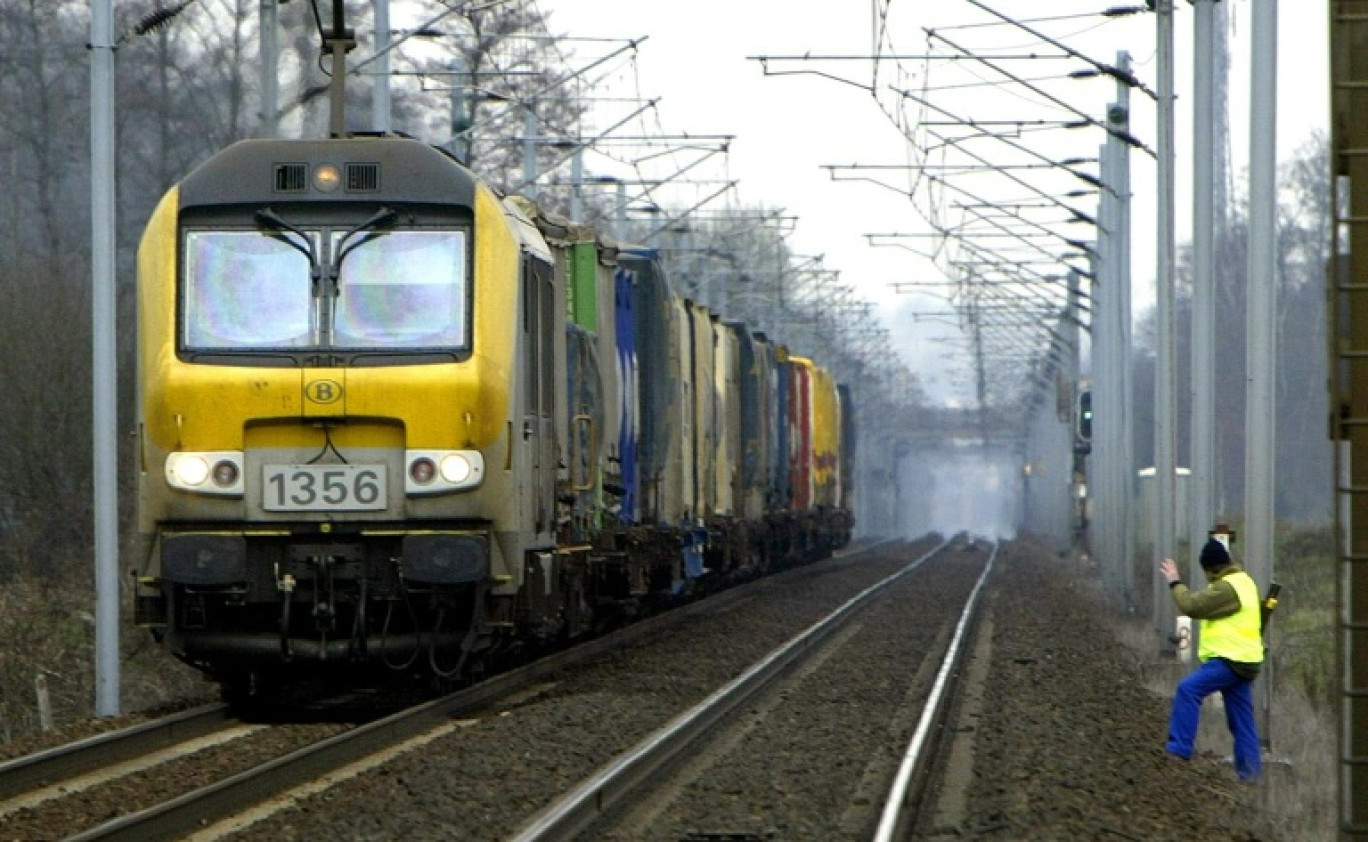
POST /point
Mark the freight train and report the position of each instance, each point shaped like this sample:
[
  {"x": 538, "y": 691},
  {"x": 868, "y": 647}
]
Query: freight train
[{"x": 392, "y": 424}]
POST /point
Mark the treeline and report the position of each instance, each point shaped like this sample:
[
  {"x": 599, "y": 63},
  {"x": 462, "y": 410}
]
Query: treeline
[{"x": 1303, "y": 454}]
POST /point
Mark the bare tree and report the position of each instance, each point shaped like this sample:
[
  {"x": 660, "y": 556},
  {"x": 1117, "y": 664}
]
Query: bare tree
[
  {"x": 1303, "y": 455},
  {"x": 42, "y": 80}
]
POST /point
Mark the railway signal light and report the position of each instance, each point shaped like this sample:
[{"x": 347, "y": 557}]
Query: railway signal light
[{"x": 1085, "y": 415}]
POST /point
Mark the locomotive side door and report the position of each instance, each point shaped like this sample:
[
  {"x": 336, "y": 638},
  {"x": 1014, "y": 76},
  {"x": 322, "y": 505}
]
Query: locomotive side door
[{"x": 537, "y": 325}]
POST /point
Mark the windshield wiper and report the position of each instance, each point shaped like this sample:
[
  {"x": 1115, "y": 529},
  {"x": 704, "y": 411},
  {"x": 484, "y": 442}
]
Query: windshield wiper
[
  {"x": 324, "y": 270},
  {"x": 384, "y": 216},
  {"x": 271, "y": 220},
  {"x": 275, "y": 225}
]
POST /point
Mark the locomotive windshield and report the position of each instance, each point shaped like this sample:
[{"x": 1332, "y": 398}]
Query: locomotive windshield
[
  {"x": 247, "y": 290},
  {"x": 403, "y": 290}
]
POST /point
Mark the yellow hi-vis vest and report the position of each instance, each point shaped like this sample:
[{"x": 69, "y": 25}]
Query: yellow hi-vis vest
[{"x": 1235, "y": 637}]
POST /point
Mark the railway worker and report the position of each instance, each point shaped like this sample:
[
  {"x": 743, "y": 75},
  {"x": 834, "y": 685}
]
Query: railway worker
[{"x": 1231, "y": 652}]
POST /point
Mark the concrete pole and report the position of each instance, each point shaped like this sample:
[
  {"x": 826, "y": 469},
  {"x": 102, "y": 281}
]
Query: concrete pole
[
  {"x": 104, "y": 358},
  {"x": 1105, "y": 335},
  {"x": 1101, "y": 334},
  {"x": 460, "y": 111},
  {"x": 1201, "y": 489},
  {"x": 530, "y": 151},
  {"x": 380, "y": 90},
  {"x": 1261, "y": 333},
  {"x": 1261, "y": 329},
  {"x": 1118, "y": 118},
  {"x": 684, "y": 260},
  {"x": 270, "y": 68},
  {"x": 1165, "y": 460},
  {"x": 1069, "y": 371},
  {"x": 621, "y": 229},
  {"x": 577, "y": 185},
  {"x": 1079, "y": 478},
  {"x": 1113, "y": 427}
]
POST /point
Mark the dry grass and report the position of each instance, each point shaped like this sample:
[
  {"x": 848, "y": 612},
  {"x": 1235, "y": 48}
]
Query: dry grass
[
  {"x": 48, "y": 632},
  {"x": 1301, "y": 790},
  {"x": 1298, "y": 796}
]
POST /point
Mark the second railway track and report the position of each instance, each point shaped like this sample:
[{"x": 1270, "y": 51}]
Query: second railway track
[{"x": 808, "y": 744}]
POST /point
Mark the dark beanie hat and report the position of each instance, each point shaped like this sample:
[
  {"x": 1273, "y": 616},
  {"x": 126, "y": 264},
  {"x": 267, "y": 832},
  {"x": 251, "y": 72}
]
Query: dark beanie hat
[{"x": 1214, "y": 554}]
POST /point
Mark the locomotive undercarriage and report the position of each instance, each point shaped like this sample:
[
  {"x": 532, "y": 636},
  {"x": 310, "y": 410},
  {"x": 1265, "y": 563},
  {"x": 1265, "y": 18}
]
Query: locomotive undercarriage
[{"x": 250, "y": 610}]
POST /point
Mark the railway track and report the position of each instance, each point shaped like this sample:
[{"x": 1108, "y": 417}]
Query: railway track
[
  {"x": 696, "y": 778},
  {"x": 24, "y": 775},
  {"x": 173, "y": 777},
  {"x": 37, "y": 792}
]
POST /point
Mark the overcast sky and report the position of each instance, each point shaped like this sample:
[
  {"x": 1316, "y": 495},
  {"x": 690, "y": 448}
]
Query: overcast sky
[{"x": 696, "y": 58}]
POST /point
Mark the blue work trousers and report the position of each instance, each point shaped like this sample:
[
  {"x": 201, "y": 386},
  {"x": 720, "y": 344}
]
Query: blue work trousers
[{"x": 1238, "y": 693}]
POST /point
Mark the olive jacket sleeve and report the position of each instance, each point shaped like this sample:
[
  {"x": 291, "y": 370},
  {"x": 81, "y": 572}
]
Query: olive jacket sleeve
[{"x": 1217, "y": 599}]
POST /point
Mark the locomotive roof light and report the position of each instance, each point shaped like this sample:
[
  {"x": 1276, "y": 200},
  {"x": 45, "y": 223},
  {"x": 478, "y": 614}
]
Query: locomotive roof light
[
  {"x": 327, "y": 178},
  {"x": 218, "y": 473},
  {"x": 443, "y": 471}
]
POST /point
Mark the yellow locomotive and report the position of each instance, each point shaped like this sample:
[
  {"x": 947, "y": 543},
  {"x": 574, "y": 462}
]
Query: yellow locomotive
[{"x": 372, "y": 438}]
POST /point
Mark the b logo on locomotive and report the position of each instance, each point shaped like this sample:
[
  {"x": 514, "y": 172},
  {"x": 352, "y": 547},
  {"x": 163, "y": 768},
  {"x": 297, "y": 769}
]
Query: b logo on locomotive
[{"x": 323, "y": 391}]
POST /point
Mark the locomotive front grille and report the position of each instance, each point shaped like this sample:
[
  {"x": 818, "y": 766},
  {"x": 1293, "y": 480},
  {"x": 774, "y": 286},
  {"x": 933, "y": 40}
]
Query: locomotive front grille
[
  {"x": 363, "y": 178},
  {"x": 291, "y": 178}
]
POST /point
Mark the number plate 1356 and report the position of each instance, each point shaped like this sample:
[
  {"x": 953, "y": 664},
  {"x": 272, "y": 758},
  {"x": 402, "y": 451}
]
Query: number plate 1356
[{"x": 323, "y": 488}]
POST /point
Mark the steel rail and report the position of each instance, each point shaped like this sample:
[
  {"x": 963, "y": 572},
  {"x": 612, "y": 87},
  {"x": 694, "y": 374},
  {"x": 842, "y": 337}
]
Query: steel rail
[
  {"x": 193, "y": 810},
  {"x": 586, "y": 803},
  {"x": 24, "y": 774},
  {"x": 893, "y": 824}
]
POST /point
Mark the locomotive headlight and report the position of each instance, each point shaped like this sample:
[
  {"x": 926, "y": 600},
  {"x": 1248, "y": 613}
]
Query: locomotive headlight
[
  {"x": 218, "y": 473},
  {"x": 188, "y": 470},
  {"x": 443, "y": 471},
  {"x": 456, "y": 468}
]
